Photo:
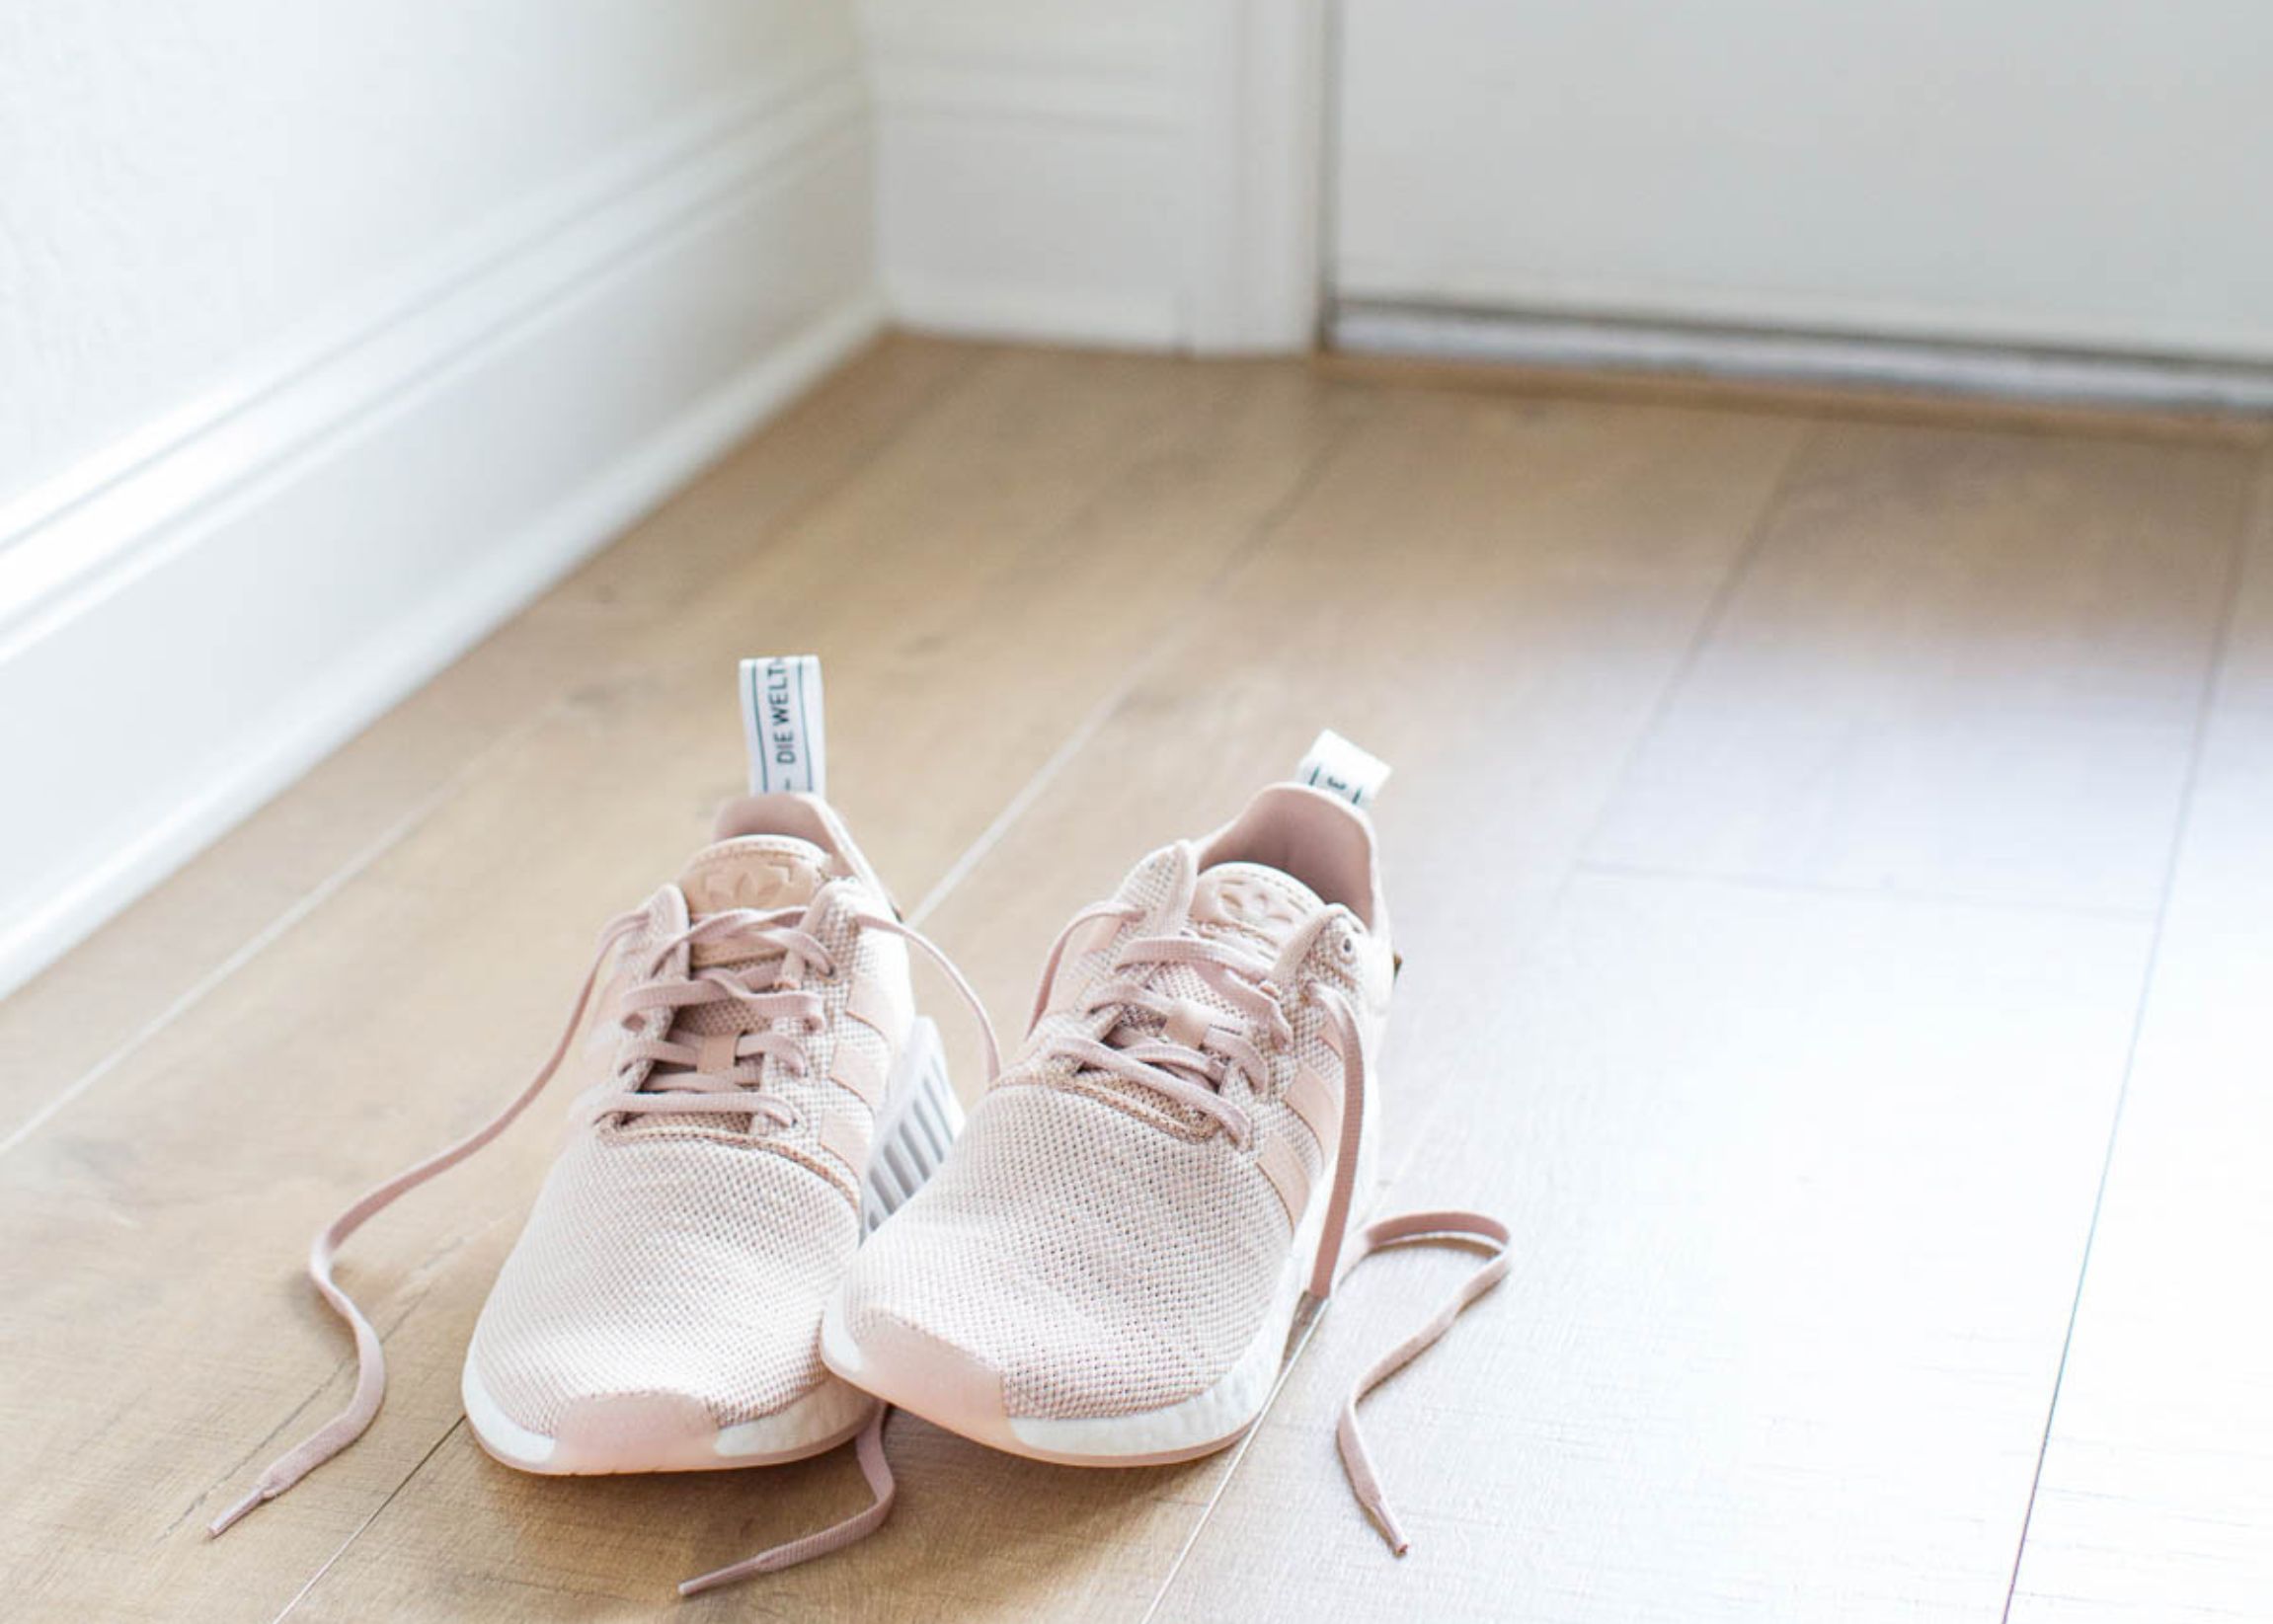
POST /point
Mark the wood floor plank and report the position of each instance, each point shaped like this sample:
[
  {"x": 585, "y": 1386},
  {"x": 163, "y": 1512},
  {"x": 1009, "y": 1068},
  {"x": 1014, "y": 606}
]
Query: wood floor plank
[
  {"x": 1798, "y": 1183},
  {"x": 119, "y": 985},
  {"x": 1491, "y": 594},
  {"x": 1964, "y": 664},
  {"x": 1509, "y": 521},
  {"x": 1858, "y": 739},
  {"x": 2156, "y": 1500},
  {"x": 158, "y": 1343},
  {"x": 1871, "y": 1451}
]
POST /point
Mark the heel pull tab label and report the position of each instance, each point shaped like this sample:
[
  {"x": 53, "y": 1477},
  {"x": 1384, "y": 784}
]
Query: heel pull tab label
[
  {"x": 781, "y": 719},
  {"x": 1340, "y": 768}
]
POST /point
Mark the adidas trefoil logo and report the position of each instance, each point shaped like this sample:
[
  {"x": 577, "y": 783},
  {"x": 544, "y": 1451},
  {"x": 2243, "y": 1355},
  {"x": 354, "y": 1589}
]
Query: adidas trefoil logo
[
  {"x": 1238, "y": 900},
  {"x": 759, "y": 887}
]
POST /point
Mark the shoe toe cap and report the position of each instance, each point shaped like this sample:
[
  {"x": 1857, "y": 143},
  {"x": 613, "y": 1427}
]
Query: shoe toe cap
[
  {"x": 918, "y": 1370},
  {"x": 660, "y": 1429}
]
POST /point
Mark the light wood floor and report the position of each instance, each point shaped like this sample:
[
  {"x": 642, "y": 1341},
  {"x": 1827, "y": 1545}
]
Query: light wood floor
[{"x": 1833, "y": 851}]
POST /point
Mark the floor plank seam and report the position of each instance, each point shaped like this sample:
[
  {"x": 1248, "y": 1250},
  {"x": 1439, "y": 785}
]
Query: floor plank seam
[
  {"x": 1036, "y": 785},
  {"x": 1709, "y": 627},
  {"x": 1307, "y": 1329},
  {"x": 270, "y": 934},
  {"x": 1103, "y": 712},
  {"x": 2254, "y": 515},
  {"x": 1700, "y": 636},
  {"x": 377, "y": 1511},
  {"x": 1708, "y": 622},
  {"x": 420, "y": 1280}
]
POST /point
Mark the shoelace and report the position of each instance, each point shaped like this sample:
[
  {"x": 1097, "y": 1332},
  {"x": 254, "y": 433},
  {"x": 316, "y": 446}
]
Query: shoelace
[
  {"x": 868, "y": 1449},
  {"x": 693, "y": 1089},
  {"x": 1403, "y": 1229},
  {"x": 648, "y": 1008},
  {"x": 1193, "y": 1074}
]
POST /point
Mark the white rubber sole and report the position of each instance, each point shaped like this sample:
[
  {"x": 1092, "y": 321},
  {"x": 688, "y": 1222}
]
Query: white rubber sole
[
  {"x": 950, "y": 1389},
  {"x": 673, "y": 1432},
  {"x": 662, "y": 1433}
]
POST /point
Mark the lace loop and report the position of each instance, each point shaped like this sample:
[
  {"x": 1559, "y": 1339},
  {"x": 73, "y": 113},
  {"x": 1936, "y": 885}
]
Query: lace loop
[
  {"x": 1191, "y": 1073},
  {"x": 658, "y": 1073},
  {"x": 690, "y": 1092}
]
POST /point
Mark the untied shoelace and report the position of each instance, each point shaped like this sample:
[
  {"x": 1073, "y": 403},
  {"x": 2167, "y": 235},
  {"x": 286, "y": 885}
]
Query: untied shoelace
[
  {"x": 1193, "y": 1076},
  {"x": 1188, "y": 1076},
  {"x": 651, "y": 1002}
]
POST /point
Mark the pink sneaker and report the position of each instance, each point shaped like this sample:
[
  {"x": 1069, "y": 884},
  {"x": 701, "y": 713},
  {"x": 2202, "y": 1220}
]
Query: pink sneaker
[
  {"x": 1107, "y": 1269},
  {"x": 768, "y": 1092}
]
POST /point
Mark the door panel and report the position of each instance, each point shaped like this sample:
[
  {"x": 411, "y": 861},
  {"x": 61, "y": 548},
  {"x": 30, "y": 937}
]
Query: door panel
[{"x": 2066, "y": 172}]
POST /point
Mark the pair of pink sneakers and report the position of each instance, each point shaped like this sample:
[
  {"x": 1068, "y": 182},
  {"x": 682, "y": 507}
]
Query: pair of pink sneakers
[{"x": 771, "y": 1223}]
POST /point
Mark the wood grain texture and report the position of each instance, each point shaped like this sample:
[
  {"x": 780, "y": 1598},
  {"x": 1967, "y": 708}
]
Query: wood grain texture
[
  {"x": 1802, "y": 1172},
  {"x": 2156, "y": 1496},
  {"x": 1495, "y": 593},
  {"x": 1799, "y": 1181},
  {"x": 1210, "y": 710},
  {"x": 1963, "y": 664},
  {"x": 177, "y": 1192}
]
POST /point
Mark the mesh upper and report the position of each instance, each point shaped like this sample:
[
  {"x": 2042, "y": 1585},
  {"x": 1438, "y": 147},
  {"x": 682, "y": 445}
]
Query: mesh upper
[
  {"x": 666, "y": 1262},
  {"x": 675, "y": 1253},
  {"x": 1096, "y": 1248}
]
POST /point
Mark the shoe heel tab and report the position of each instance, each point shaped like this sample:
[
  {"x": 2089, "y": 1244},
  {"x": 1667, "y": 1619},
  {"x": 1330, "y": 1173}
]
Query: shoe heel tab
[
  {"x": 805, "y": 816},
  {"x": 1321, "y": 839}
]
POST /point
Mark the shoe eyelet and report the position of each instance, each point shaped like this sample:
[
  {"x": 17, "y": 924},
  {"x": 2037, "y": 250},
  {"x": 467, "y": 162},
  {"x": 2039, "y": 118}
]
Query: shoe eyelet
[{"x": 1346, "y": 947}]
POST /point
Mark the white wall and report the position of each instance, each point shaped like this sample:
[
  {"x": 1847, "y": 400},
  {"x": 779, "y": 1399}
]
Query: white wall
[
  {"x": 2087, "y": 172},
  {"x": 1092, "y": 171},
  {"x": 330, "y": 333}
]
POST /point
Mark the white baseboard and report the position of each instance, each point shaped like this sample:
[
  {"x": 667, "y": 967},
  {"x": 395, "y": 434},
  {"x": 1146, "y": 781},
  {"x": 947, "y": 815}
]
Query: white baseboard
[
  {"x": 1108, "y": 319},
  {"x": 190, "y": 622},
  {"x": 1705, "y": 350}
]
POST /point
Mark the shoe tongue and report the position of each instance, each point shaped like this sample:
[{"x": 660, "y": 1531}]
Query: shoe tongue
[
  {"x": 763, "y": 871},
  {"x": 754, "y": 871},
  {"x": 1251, "y": 904}
]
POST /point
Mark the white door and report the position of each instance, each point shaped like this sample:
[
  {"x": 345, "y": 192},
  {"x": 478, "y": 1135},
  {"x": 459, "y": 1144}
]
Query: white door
[{"x": 2091, "y": 175}]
